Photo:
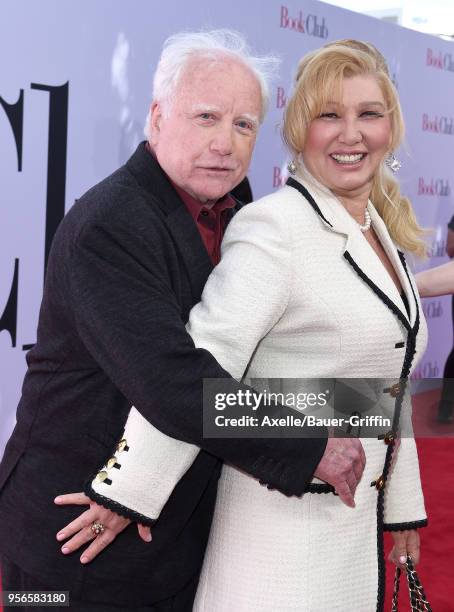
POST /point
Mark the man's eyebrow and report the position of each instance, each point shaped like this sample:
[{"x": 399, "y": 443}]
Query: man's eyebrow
[
  {"x": 209, "y": 108},
  {"x": 204, "y": 108}
]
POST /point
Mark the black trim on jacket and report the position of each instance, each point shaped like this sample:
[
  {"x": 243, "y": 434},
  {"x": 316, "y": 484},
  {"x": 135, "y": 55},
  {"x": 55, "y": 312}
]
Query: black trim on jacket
[
  {"x": 405, "y": 526},
  {"x": 410, "y": 350}
]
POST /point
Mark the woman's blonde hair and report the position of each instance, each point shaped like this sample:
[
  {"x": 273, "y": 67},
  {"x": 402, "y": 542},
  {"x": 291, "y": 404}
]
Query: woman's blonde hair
[{"x": 320, "y": 73}]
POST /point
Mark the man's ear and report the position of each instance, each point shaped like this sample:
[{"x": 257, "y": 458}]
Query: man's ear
[{"x": 155, "y": 122}]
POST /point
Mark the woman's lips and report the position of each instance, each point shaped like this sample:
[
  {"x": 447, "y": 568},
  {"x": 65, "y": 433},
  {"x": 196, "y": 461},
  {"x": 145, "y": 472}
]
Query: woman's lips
[{"x": 348, "y": 159}]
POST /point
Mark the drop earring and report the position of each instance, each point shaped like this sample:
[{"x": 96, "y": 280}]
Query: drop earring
[
  {"x": 291, "y": 167},
  {"x": 393, "y": 163}
]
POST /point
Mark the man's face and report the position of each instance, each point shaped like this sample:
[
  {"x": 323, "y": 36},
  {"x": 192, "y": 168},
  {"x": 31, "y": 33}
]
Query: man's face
[{"x": 205, "y": 143}]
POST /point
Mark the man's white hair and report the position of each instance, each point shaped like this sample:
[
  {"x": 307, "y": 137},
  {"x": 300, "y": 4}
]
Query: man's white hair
[{"x": 179, "y": 48}]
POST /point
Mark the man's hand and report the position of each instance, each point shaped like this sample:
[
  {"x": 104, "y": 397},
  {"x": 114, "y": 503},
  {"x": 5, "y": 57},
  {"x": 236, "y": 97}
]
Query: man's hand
[
  {"x": 405, "y": 543},
  {"x": 81, "y": 530},
  {"x": 342, "y": 466}
]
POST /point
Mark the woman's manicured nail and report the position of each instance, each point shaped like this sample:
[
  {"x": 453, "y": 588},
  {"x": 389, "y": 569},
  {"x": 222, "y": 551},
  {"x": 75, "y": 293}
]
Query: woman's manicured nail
[
  {"x": 61, "y": 536},
  {"x": 65, "y": 550},
  {"x": 402, "y": 559}
]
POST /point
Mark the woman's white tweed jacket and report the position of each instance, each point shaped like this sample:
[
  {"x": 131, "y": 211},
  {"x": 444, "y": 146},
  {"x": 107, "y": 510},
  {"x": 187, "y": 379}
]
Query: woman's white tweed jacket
[{"x": 300, "y": 293}]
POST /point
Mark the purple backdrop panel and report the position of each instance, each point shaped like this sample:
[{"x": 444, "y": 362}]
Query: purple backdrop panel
[{"x": 75, "y": 86}]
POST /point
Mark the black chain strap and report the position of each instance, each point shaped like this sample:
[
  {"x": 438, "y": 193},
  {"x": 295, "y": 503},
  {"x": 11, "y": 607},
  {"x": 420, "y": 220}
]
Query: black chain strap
[{"x": 418, "y": 601}]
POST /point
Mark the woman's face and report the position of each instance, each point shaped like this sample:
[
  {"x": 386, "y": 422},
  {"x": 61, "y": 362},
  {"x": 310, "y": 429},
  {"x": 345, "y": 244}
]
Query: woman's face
[{"x": 346, "y": 144}]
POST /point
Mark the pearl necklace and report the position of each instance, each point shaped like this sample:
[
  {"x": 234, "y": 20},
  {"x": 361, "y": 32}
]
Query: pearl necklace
[{"x": 367, "y": 221}]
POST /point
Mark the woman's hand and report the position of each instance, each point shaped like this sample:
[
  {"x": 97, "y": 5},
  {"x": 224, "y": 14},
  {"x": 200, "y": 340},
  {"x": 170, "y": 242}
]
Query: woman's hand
[
  {"x": 405, "y": 543},
  {"x": 81, "y": 531}
]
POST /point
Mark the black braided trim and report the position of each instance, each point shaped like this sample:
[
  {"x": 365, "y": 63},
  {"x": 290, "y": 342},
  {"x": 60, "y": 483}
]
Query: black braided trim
[
  {"x": 384, "y": 298},
  {"x": 408, "y": 359},
  {"x": 380, "y": 542},
  {"x": 304, "y": 192},
  {"x": 110, "y": 504},
  {"x": 417, "y": 319},
  {"x": 406, "y": 367},
  {"x": 316, "y": 487},
  {"x": 405, "y": 526}
]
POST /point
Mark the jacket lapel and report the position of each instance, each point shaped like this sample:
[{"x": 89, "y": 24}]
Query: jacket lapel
[
  {"x": 189, "y": 242},
  {"x": 396, "y": 261},
  {"x": 358, "y": 252},
  {"x": 177, "y": 219}
]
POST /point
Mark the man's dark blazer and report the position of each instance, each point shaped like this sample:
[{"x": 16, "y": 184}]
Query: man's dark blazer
[{"x": 126, "y": 266}]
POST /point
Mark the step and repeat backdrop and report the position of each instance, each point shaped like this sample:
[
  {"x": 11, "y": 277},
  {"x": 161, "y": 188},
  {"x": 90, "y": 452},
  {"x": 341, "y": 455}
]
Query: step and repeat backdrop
[{"x": 75, "y": 86}]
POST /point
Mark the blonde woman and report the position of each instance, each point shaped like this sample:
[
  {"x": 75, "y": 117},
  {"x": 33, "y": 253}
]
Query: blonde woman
[
  {"x": 311, "y": 284},
  {"x": 343, "y": 304}
]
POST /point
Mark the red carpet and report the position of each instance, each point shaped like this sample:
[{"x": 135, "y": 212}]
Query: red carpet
[
  {"x": 436, "y": 455},
  {"x": 437, "y": 540}
]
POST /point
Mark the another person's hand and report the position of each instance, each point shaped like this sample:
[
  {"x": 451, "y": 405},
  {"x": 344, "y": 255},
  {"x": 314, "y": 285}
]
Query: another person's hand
[
  {"x": 405, "y": 543},
  {"x": 342, "y": 466},
  {"x": 81, "y": 528}
]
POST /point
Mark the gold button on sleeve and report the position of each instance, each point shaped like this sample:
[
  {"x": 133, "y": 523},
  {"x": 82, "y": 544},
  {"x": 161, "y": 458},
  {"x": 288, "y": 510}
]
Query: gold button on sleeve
[
  {"x": 101, "y": 476},
  {"x": 111, "y": 463},
  {"x": 122, "y": 445}
]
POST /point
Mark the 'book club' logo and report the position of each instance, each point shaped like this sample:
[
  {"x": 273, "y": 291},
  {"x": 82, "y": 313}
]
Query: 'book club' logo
[
  {"x": 310, "y": 25},
  {"x": 434, "y": 187},
  {"x": 442, "y": 61},
  {"x": 433, "y": 309},
  {"x": 438, "y": 125},
  {"x": 426, "y": 370},
  {"x": 438, "y": 248}
]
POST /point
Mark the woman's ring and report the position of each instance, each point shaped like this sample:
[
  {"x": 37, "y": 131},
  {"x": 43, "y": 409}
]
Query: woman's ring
[{"x": 97, "y": 528}]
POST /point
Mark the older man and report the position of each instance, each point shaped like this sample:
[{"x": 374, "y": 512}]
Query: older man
[{"x": 128, "y": 262}]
